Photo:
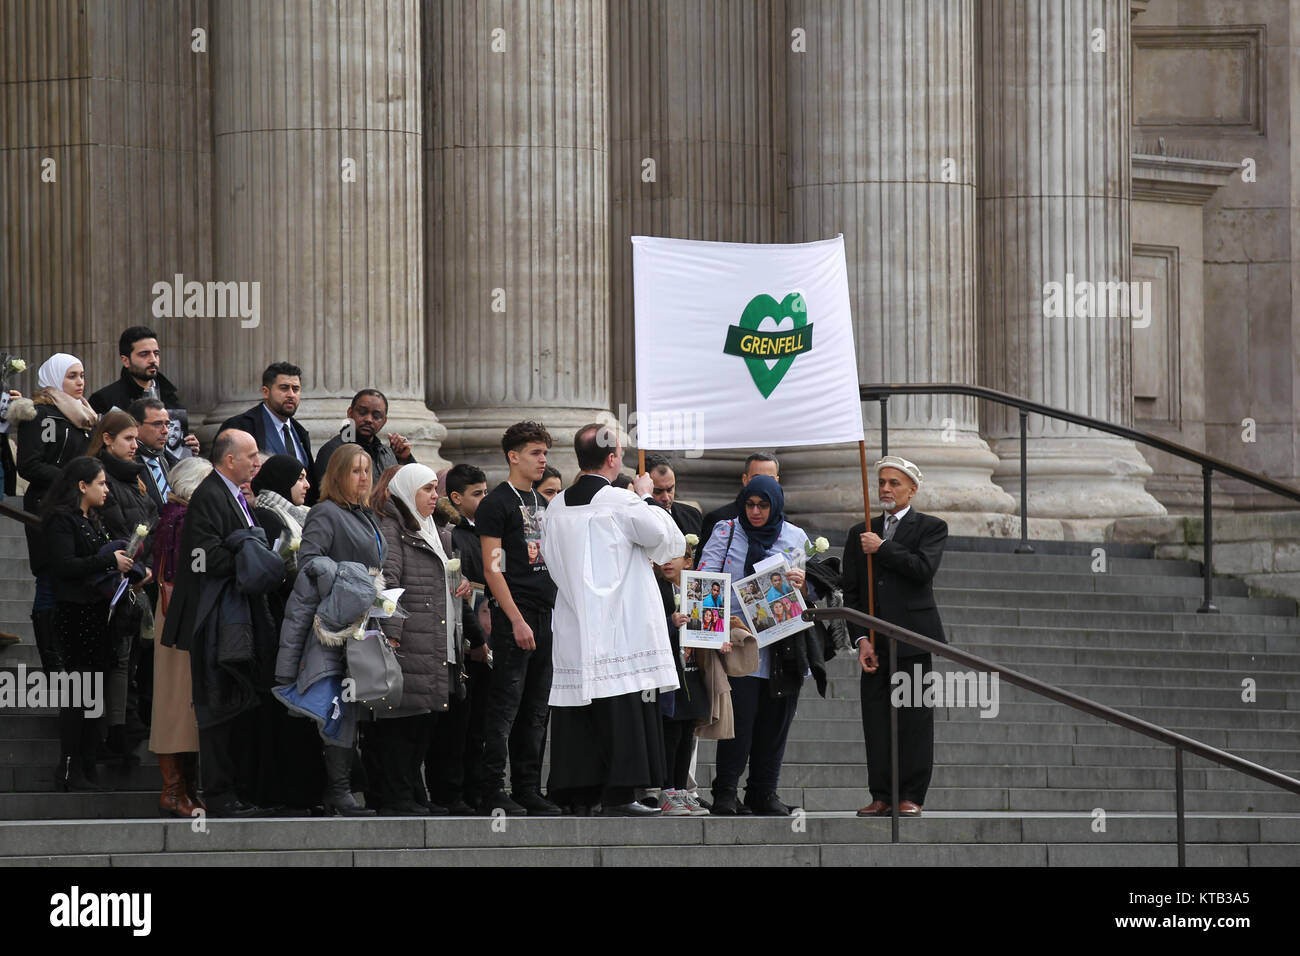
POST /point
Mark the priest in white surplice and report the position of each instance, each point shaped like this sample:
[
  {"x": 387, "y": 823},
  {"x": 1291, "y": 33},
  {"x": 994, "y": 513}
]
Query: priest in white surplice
[{"x": 610, "y": 649}]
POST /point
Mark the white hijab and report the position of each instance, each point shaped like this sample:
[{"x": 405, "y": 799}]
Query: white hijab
[
  {"x": 54, "y": 369},
  {"x": 408, "y": 480}
]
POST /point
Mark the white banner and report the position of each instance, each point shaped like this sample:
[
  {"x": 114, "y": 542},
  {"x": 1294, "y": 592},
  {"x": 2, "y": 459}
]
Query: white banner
[{"x": 743, "y": 345}]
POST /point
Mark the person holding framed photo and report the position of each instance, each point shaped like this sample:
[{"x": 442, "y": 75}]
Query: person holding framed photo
[{"x": 765, "y": 700}]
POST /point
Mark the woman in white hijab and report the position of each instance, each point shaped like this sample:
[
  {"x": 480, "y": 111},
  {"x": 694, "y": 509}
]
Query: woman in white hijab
[
  {"x": 54, "y": 427},
  {"x": 426, "y": 639}
]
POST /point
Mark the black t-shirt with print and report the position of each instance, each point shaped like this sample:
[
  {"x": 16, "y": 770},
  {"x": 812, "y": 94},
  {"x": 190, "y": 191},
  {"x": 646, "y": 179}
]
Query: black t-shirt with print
[{"x": 513, "y": 516}]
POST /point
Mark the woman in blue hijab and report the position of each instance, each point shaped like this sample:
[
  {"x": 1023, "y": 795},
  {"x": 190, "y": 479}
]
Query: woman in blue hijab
[{"x": 764, "y": 701}]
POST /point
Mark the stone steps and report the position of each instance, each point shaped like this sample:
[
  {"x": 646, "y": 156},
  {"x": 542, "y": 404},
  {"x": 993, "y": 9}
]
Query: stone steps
[{"x": 952, "y": 839}]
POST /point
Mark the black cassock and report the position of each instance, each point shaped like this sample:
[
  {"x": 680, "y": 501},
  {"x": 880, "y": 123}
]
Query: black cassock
[{"x": 601, "y": 752}]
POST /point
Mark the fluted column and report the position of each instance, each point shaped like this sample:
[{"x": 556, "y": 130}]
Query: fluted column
[
  {"x": 104, "y": 182},
  {"x": 1054, "y": 208},
  {"x": 697, "y": 151},
  {"x": 882, "y": 149},
  {"x": 516, "y": 154},
  {"x": 318, "y": 196}
]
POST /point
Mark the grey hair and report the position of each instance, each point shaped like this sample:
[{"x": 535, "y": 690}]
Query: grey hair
[{"x": 187, "y": 475}]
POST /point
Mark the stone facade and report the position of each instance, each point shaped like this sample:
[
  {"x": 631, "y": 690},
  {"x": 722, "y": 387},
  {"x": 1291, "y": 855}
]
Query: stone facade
[{"x": 435, "y": 198}]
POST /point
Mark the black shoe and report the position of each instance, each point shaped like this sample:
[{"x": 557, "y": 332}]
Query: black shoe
[
  {"x": 579, "y": 810},
  {"x": 235, "y": 809},
  {"x": 766, "y": 805},
  {"x": 459, "y": 808},
  {"x": 405, "y": 808},
  {"x": 69, "y": 777},
  {"x": 724, "y": 804},
  {"x": 633, "y": 809},
  {"x": 536, "y": 804},
  {"x": 500, "y": 801}
]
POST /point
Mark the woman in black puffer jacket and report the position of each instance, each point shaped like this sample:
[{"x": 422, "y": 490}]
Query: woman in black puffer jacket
[{"x": 128, "y": 508}]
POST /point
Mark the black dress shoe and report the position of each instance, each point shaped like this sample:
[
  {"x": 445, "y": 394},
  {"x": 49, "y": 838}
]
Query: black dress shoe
[
  {"x": 536, "y": 804},
  {"x": 405, "y": 808},
  {"x": 500, "y": 801},
  {"x": 767, "y": 805},
  {"x": 724, "y": 804},
  {"x": 459, "y": 808},
  {"x": 236, "y": 809},
  {"x": 633, "y": 809}
]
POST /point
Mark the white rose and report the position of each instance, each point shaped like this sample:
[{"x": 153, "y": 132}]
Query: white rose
[
  {"x": 692, "y": 539},
  {"x": 141, "y": 530},
  {"x": 822, "y": 545},
  {"x": 389, "y": 607},
  {"x": 295, "y": 544},
  {"x": 18, "y": 365},
  {"x": 453, "y": 564}
]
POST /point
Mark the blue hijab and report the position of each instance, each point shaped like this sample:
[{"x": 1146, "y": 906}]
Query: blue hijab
[{"x": 761, "y": 539}]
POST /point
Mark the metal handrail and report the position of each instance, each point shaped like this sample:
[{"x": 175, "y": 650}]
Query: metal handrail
[
  {"x": 18, "y": 514},
  {"x": 881, "y": 391},
  {"x": 1179, "y": 742}
]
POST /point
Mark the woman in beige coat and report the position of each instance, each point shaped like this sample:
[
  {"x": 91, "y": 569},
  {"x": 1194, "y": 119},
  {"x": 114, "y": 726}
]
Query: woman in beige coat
[{"x": 174, "y": 732}]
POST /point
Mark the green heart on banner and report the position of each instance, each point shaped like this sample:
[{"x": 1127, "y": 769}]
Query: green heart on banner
[{"x": 757, "y": 347}]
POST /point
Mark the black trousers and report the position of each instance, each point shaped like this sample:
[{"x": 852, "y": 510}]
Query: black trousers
[
  {"x": 220, "y": 759},
  {"x": 915, "y": 735},
  {"x": 396, "y": 747},
  {"x": 679, "y": 741},
  {"x": 456, "y": 746},
  {"x": 762, "y": 726},
  {"x": 518, "y": 704}
]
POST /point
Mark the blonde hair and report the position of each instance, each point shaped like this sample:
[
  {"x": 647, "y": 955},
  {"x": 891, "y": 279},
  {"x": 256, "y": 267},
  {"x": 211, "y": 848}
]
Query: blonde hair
[
  {"x": 337, "y": 471},
  {"x": 186, "y": 476}
]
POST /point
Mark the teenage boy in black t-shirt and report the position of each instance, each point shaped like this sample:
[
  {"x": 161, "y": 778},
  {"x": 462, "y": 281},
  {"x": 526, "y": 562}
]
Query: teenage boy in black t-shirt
[{"x": 509, "y": 527}]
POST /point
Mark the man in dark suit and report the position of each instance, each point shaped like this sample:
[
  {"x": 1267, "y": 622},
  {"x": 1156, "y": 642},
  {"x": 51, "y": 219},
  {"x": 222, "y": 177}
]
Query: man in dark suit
[
  {"x": 271, "y": 422},
  {"x": 687, "y": 518},
  {"x": 908, "y": 547},
  {"x": 217, "y": 509}
]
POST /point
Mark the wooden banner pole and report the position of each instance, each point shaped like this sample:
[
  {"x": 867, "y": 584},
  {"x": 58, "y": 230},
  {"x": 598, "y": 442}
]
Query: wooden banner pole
[{"x": 866, "y": 510}]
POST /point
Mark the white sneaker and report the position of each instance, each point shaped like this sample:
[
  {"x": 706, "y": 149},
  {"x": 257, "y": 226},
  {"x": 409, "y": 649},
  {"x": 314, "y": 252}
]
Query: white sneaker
[
  {"x": 692, "y": 803},
  {"x": 671, "y": 804}
]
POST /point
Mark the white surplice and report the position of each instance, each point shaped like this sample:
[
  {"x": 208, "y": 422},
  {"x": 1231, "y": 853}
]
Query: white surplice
[{"x": 610, "y": 632}]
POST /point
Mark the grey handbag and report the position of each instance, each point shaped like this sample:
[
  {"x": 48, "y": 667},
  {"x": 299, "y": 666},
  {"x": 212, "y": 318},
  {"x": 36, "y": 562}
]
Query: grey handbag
[{"x": 374, "y": 671}]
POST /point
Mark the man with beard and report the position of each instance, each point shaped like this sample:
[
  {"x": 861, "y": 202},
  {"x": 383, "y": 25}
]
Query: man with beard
[
  {"x": 366, "y": 418},
  {"x": 271, "y": 423},
  {"x": 687, "y": 518},
  {"x": 140, "y": 378}
]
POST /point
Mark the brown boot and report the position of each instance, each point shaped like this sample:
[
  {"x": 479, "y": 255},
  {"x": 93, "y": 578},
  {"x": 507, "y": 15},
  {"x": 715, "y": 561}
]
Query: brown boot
[
  {"x": 174, "y": 800},
  {"x": 190, "y": 770}
]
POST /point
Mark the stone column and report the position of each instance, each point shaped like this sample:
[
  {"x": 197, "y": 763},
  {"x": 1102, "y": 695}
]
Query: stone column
[
  {"x": 104, "y": 182},
  {"x": 697, "y": 151},
  {"x": 882, "y": 149},
  {"x": 1054, "y": 208},
  {"x": 318, "y": 197},
  {"x": 516, "y": 155}
]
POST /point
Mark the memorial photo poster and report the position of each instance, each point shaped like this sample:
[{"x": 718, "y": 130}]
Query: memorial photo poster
[
  {"x": 706, "y": 602},
  {"x": 771, "y": 606}
]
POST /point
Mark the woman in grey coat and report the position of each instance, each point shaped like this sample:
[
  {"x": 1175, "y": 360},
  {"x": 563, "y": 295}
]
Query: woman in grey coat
[
  {"x": 426, "y": 640},
  {"x": 340, "y": 527}
]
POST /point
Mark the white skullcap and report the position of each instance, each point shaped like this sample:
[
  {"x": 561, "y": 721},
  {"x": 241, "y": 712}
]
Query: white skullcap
[{"x": 903, "y": 465}]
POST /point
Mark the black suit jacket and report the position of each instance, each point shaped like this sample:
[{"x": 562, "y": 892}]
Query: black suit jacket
[
  {"x": 253, "y": 421},
  {"x": 905, "y": 566},
  {"x": 212, "y": 515}
]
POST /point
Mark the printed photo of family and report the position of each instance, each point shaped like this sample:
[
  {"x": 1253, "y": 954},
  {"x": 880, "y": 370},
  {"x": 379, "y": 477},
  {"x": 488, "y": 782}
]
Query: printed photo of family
[
  {"x": 771, "y": 606},
  {"x": 707, "y": 606}
]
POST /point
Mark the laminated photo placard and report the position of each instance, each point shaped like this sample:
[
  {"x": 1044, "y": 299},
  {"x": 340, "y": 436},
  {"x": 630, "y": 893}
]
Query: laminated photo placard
[
  {"x": 771, "y": 606},
  {"x": 706, "y": 602}
]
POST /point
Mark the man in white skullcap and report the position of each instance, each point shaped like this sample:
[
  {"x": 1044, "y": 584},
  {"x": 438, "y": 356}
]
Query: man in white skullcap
[{"x": 908, "y": 547}]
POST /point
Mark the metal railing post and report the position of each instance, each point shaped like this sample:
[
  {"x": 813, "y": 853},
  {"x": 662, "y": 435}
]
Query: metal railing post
[
  {"x": 1207, "y": 565},
  {"x": 1178, "y": 800},
  {"x": 893, "y": 744},
  {"x": 1024, "y": 547},
  {"x": 884, "y": 425}
]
